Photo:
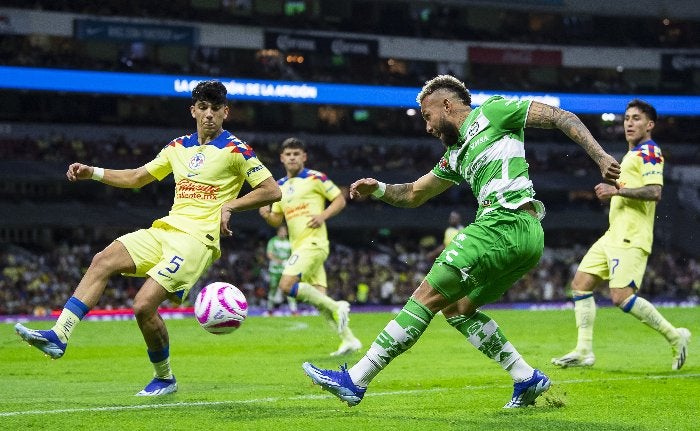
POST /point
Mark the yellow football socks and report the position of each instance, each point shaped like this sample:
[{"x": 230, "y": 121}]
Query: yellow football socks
[
  {"x": 585, "y": 311},
  {"x": 65, "y": 324},
  {"x": 647, "y": 313},
  {"x": 162, "y": 369},
  {"x": 309, "y": 294}
]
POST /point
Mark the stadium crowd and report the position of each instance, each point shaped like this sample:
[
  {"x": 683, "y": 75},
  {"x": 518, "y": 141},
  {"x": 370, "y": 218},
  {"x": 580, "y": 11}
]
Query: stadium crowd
[
  {"x": 384, "y": 272},
  {"x": 367, "y": 157}
]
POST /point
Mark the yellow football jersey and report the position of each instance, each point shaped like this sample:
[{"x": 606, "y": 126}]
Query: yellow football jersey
[
  {"x": 632, "y": 220},
  {"x": 450, "y": 233},
  {"x": 206, "y": 176},
  {"x": 303, "y": 196}
]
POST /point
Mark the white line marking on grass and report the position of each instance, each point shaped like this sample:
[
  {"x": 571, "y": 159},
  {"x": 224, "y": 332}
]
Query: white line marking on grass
[
  {"x": 298, "y": 326},
  {"x": 315, "y": 397}
]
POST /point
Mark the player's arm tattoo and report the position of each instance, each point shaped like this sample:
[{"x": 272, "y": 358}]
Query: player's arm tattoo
[
  {"x": 399, "y": 195},
  {"x": 545, "y": 116},
  {"x": 650, "y": 192}
]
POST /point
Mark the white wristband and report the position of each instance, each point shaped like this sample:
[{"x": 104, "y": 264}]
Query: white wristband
[
  {"x": 97, "y": 173},
  {"x": 380, "y": 190}
]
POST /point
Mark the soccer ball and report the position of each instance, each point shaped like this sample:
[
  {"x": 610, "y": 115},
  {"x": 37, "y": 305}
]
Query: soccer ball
[{"x": 220, "y": 308}]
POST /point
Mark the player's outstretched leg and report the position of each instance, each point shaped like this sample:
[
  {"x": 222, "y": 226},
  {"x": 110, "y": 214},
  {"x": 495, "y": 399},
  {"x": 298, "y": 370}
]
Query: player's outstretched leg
[
  {"x": 53, "y": 342},
  {"x": 159, "y": 386},
  {"x": 46, "y": 341},
  {"x": 339, "y": 310},
  {"x": 397, "y": 337},
  {"x": 525, "y": 393},
  {"x": 680, "y": 348},
  {"x": 338, "y": 383}
]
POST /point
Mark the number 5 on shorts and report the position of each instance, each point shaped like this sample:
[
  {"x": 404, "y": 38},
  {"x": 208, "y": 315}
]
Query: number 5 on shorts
[{"x": 173, "y": 267}]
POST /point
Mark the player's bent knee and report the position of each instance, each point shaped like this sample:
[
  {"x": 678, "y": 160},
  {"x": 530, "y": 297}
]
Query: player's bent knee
[
  {"x": 144, "y": 310},
  {"x": 107, "y": 263}
]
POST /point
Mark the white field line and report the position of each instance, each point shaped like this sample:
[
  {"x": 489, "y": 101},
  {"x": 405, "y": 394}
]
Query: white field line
[{"x": 314, "y": 397}]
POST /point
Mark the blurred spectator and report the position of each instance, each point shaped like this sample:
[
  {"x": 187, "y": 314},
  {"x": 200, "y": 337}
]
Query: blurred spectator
[{"x": 34, "y": 283}]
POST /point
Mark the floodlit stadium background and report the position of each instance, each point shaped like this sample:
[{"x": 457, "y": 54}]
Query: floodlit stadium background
[{"x": 107, "y": 84}]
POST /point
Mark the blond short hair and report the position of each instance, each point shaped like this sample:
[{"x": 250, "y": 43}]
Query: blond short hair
[{"x": 445, "y": 82}]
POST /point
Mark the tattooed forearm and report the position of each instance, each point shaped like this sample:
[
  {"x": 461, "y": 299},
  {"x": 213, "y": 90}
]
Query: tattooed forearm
[
  {"x": 399, "y": 195},
  {"x": 541, "y": 116},
  {"x": 647, "y": 193},
  {"x": 550, "y": 117}
]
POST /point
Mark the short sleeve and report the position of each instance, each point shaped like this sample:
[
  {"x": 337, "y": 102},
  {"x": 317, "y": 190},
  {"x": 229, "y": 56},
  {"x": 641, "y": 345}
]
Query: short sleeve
[
  {"x": 507, "y": 114},
  {"x": 443, "y": 171},
  {"x": 160, "y": 167},
  {"x": 651, "y": 164}
]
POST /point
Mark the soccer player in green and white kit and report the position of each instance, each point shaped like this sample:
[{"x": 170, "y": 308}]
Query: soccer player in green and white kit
[
  {"x": 484, "y": 146},
  {"x": 278, "y": 251}
]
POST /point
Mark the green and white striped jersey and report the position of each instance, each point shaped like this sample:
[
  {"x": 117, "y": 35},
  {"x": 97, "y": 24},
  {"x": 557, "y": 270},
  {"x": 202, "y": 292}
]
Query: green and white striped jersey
[
  {"x": 281, "y": 249},
  {"x": 490, "y": 156}
]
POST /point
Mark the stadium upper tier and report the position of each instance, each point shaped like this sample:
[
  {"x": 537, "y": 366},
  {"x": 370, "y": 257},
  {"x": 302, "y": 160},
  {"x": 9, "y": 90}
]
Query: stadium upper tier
[
  {"x": 599, "y": 23},
  {"x": 536, "y": 58}
]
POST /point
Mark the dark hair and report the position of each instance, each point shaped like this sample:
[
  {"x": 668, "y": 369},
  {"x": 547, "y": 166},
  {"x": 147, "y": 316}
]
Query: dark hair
[
  {"x": 445, "y": 82},
  {"x": 211, "y": 91},
  {"x": 295, "y": 143},
  {"x": 643, "y": 106}
]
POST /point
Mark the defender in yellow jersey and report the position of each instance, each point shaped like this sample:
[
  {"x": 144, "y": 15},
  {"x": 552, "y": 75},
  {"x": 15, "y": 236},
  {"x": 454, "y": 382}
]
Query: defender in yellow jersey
[
  {"x": 620, "y": 256},
  {"x": 303, "y": 207},
  {"x": 209, "y": 168}
]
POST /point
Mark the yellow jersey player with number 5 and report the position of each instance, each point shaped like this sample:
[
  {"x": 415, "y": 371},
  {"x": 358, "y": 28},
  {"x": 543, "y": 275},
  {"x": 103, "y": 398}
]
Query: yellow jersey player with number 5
[{"x": 209, "y": 168}]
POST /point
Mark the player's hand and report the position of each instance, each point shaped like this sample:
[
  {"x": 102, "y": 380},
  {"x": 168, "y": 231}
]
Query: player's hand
[
  {"x": 225, "y": 218},
  {"x": 363, "y": 187},
  {"x": 315, "y": 222},
  {"x": 609, "y": 169},
  {"x": 605, "y": 191},
  {"x": 265, "y": 211},
  {"x": 79, "y": 171}
]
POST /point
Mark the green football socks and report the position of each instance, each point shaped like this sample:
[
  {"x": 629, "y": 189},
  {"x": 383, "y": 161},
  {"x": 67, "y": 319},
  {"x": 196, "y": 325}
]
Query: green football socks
[
  {"x": 397, "y": 337},
  {"x": 484, "y": 334}
]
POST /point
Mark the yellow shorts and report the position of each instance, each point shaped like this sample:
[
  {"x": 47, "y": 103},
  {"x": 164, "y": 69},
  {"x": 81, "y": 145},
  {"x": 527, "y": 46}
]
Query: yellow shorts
[
  {"x": 171, "y": 257},
  {"x": 307, "y": 264},
  {"x": 622, "y": 266}
]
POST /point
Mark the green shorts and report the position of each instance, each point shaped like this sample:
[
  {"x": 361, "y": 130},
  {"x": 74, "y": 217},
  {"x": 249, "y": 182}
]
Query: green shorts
[
  {"x": 307, "y": 264},
  {"x": 622, "y": 266},
  {"x": 485, "y": 258},
  {"x": 171, "y": 257},
  {"x": 274, "y": 280}
]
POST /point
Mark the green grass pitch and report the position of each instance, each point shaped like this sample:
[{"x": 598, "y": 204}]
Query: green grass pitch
[{"x": 252, "y": 379}]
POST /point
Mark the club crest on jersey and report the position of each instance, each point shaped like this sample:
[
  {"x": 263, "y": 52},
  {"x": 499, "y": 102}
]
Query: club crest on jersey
[
  {"x": 473, "y": 130},
  {"x": 197, "y": 161},
  {"x": 289, "y": 192}
]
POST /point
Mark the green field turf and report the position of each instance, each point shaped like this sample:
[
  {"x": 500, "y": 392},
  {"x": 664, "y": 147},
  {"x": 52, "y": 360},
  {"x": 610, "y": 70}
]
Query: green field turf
[{"x": 252, "y": 379}]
